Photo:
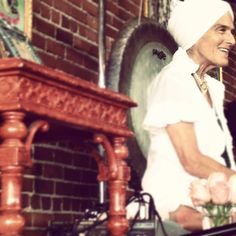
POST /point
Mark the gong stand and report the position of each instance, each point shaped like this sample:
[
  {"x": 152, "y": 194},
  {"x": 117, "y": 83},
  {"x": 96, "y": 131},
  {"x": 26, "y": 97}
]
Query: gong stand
[{"x": 31, "y": 90}]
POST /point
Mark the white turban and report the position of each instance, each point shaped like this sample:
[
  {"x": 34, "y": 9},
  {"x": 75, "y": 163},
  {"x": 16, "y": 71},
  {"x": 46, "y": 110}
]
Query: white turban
[{"x": 190, "y": 19}]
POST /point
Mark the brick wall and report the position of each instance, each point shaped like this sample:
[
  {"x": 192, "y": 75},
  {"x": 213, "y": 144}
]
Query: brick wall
[
  {"x": 62, "y": 182},
  {"x": 65, "y": 32}
]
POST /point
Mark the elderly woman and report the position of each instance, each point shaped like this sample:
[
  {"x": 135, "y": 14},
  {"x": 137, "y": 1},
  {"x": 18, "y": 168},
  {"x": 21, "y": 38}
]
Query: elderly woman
[{"x": 185, "y": 118}]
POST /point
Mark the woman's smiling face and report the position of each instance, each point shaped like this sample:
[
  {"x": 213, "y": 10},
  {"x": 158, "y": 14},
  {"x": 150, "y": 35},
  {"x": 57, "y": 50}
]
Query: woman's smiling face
[{"x": 212, "y": 49}]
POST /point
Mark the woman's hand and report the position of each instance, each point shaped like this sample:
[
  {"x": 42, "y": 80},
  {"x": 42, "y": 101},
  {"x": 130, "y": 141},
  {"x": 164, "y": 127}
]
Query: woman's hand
[{"x": 189, "y": 218}]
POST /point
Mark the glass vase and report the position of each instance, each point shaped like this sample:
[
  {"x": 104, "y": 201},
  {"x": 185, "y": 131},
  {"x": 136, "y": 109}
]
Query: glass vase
[
  {"x": 216, "y": 215},
  {"x": 211, "y": 221}
]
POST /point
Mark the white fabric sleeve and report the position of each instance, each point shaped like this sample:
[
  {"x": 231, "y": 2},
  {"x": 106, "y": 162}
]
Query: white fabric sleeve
[{"x": 171, "y": 101}]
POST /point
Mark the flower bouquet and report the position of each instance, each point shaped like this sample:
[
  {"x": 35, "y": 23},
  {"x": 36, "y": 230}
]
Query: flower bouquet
[{"x": 215, "y": 198}]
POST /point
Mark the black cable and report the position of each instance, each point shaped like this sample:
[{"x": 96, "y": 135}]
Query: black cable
[
  {"x": 135, "y": 219},
  {"x": 88, "y": 213},
  {"x": 140, "y": 198},
  {"x": 156, "y": 213}
]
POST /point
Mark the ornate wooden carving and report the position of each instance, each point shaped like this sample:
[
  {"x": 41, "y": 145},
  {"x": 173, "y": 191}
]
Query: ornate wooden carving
[
  {"x": 118, "y": 175},
  {"x": 30, "y": 88},
  {"x": 66, "y": 98}
]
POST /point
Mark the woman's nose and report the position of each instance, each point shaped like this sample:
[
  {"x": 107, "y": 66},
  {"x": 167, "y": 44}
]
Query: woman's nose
[{"x": 231, "y": 38}]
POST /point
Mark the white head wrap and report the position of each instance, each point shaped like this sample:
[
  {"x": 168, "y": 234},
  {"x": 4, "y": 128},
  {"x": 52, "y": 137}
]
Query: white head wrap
[{"x": 190, "y": 19}]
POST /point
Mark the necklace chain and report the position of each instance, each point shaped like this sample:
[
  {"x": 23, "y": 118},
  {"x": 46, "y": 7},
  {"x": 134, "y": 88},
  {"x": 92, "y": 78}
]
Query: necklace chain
[{"x": 201, "y": 83}]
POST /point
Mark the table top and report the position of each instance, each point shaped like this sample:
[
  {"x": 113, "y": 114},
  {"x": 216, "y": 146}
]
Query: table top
[{"x": 37, "y": 89}]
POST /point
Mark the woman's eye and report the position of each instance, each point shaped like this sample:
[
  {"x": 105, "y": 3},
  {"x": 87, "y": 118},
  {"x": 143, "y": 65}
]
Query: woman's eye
[{"x": 222, "y": 29}]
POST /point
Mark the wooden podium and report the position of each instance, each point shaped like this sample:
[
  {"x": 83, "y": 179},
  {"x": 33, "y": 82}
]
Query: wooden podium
[{"x": 30, "y": 89}]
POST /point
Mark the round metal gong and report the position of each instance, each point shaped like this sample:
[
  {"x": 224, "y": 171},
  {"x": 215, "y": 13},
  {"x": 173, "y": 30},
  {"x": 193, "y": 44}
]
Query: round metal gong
[{"x": 138, "y": 54}]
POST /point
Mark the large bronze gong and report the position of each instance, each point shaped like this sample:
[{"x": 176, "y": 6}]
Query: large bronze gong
[{"x": 141, "y": 50}]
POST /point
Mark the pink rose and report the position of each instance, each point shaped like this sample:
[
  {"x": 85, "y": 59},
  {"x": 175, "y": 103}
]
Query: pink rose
[
  {"x": 220, "y": 193},
  {"x": 216, "y": 177},
  {"x": 232, "y": 186},
  {"x": 219, "y": 188},
  {"x": 199, "y": 192}
]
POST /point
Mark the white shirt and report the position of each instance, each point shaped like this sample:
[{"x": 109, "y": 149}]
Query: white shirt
[{"x": 174, "y": 97}]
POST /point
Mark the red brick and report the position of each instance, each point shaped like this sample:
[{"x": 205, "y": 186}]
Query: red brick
[
  {"x": 35, "y": 170},
  {"x": 89, "y": 177},
  {"x": 64, "y": 36},
  {"x": 41, "y": 220},
  {"x": 28, "y": 218},
  {"x": 79, "y": 15},
  {"x": 76, "y": 70},
  {"x": 27, "y": 184},
  {"x": 45, "y": 11},
  {"x": 35, "y": 202},
  {"x": 57, "y": 204},
  {"x": 111, "y": 32},
  {"x": 65, "y": 22},
  {"x": 82, "y": 30},
  {"x": 55, "y": 16},
  {"x": 87, "y": 191},
  {"x": 38, "y": 40},
  {"x": 82, "y": 161},
  {"x": 63, "y": 6},
  {"x": 64, "y": 158},
  {"x": 46, "y": 203},
  {"x": 44, "y": 186},
  {"x": 52, "y": 171},
  {"x": 111, "y": 6},
  {"x": 85, "y": 46},
  {"x": 90, "y": 63},
  {"x": 131, "y": 7},
  {"x": 44, "y": 27},
  {"x": 92, "y": 22},
  {"x": 67, "y": 204},
  {"x": 90, "y": 8},
  {"x": 36, "y": 7},
  {"x": 114, "y": 22},
  {"x": 92, "y": 36},
  {"x": 25, "y": 201},
  {"x": 74, "y": 26},
  {"x": 74, "y": 55},
  {"x": 72, "y": 175},
  {"x": 50, "y": 61},
  {"x": 66, "y": 189},
  {"x": 43, "y": 153},
  {"x": 123, "y": 14},
  {"x": 55, "y": 47}
]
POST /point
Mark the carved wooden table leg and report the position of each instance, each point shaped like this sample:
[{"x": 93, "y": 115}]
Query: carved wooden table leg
[
  {"x": 11, "y": 220},
  {"x": 118, "y": 177},
  {"x": 117, "y": 223},
  {"x": 14, "y": 156}
]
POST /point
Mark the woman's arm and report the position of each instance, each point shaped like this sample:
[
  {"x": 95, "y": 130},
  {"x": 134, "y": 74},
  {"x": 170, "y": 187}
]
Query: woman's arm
[
  {"x": 183, "y": 137},
  {"x": 182, "y": 216}
]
